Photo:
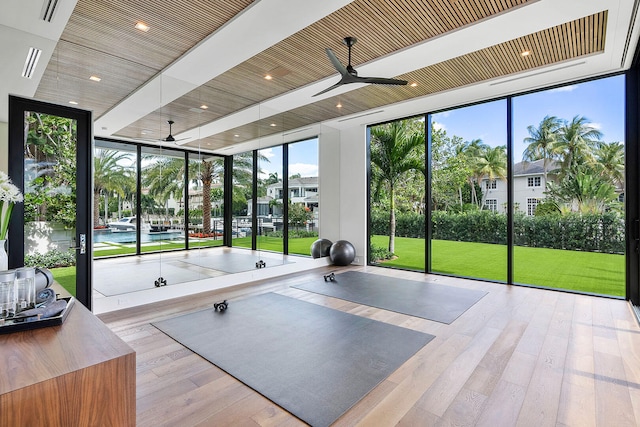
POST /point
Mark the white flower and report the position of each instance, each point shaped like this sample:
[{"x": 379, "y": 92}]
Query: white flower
[{"x": 8, "y": 191}]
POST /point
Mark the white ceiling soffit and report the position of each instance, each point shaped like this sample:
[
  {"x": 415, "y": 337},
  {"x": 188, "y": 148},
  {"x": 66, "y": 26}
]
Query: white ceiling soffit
[
  {"x": 506, "y": 26},
  {"x": 257, "y": 28},
  {"x": 22, "y": 26},
  {"x": 510, "y": 25}
]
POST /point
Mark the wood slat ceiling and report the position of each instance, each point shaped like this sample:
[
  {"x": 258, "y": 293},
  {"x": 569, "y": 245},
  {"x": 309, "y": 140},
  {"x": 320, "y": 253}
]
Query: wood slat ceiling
[
  {"x": 382, "y": 27},
  {"x": 108, "y": 45},
  {"x": 100, "y": 40},
  {"x": 571, "y": 40}
]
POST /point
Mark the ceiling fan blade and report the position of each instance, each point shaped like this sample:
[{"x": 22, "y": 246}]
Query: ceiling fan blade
[
  {"x": 336, "y": 63},
  {"x": 329, "y": 88},
  {"x": 381, "y": 81}
]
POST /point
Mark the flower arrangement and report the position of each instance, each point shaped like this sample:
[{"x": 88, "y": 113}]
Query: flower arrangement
[{"x": 9, "y": 196}]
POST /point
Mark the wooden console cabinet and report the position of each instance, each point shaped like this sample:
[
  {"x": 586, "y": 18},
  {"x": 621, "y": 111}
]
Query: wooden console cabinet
[{"x": 77, "y": 374}]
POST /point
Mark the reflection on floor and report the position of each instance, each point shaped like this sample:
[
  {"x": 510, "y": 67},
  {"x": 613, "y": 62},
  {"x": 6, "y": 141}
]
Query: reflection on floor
[{"x": 130, "y": 281}]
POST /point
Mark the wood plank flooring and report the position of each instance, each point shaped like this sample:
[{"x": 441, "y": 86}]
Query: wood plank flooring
[{"x": 519, "y": 357}]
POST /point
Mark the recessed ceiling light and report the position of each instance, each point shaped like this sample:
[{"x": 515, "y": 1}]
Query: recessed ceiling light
[
  {"x": 204, "y": 107},
  {"x": 236, "y": 135},
  {"x": 142, "y": 26},
  {"x": 95, "y": 78},
  {"x": 525, "y": 53},
  {"x": 268, "y": 77},
  {"x": 414, "y": 84},
  {"x": 273, "y": 125},
  {"x": 73, "y": 102},
  {"x": 339, "y": 105}
]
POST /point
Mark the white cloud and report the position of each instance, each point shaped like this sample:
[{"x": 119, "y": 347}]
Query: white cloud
[
  {"x": 596, "y": 125},
  {"x": 439, "y": 126},
  {"x": 569, "y": 88},
  {"x": 304, "y": 169},
  {"x": 267, "y": 152}
]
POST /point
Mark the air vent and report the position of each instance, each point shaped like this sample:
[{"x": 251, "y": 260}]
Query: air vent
[
  {"x": 31, "y": 62},
  {"x": 361, "y": 115},
  {"x": 48, "y": 9},
  {"x": 296, "y": 131}
]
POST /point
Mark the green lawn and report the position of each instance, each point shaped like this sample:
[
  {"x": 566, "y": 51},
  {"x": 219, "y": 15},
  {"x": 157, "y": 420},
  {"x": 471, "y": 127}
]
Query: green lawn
[
  {"x": 66, "y": 276},
  {"x": 298, "y": 246},
  {"x": 553, "y": 268}
]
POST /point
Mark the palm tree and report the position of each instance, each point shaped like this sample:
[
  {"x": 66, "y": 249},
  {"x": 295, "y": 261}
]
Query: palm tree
[
  {"x": 109, "y": 176},
  {"x": 209, "y": 173},
  {"x": 575, "y": 143},
  {"x": 394, "y": 149},
  {"x": 472, "y": 151},
  {"x": 541, "y": 142},
  {"x": 492, "y": 163},
  {"x": 610, "y": 162}
]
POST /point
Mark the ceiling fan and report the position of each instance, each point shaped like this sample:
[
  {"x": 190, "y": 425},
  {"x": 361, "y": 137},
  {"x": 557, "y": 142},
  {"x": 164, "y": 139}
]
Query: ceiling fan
[
  {"x": 350, "y": 75},
  {"x": 170, "y": 137}
]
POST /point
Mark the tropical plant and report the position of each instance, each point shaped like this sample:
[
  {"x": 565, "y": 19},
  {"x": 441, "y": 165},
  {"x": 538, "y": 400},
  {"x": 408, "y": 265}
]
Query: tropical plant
[
  {"x": 610, "y": 162},
  {"x": 492, "y": 164},
  {"x": 575, "y": 144},
  {"x": 583, "y": 191},
  {"x": 50, "y": 170},
  {"x": 394, "y": 152},
  {"x": 542, "y": 141},
  {"x": 111, "y": 175}
]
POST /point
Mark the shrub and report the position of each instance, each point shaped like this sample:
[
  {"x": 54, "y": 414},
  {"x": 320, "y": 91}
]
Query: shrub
[
  {"x": 51, "y": 259},
  {"x": 598, "y": 232},
  {"x": 378, "y": 253}
]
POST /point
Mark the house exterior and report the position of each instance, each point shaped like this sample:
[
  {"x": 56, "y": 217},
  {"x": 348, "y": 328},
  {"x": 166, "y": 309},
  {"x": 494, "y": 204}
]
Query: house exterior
[
  {"x": 528, "y": 188},
  {"x": 301, "y": 190}
]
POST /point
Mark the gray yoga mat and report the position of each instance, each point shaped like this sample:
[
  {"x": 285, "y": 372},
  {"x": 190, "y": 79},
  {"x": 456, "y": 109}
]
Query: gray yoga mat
[
  {"x": 233, "y": 262},
  {"x": 430, "y": 301},
  {"x": 313, "y": 361},
  {"x": 132, "y": 277}
]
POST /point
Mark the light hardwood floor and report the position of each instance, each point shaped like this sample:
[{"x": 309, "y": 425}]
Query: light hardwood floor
[{"x": 519, "y": 357}]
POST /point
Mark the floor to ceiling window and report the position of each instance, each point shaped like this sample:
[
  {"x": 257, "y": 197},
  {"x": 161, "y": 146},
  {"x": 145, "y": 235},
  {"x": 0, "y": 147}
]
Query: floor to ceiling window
[
  {"x": 114, "y": 178},
  {"x": 469, "y": 191},
  {"x": 242, "y": 195},
  {"x": 163, "y": 189},
  {"x": 269, "y": 208},
  {"x": 205, "y": 195},
  {"x": 397, "y": 194},
  {"x": 303, "y": 188},
  {"x": 569, "y": 187}
]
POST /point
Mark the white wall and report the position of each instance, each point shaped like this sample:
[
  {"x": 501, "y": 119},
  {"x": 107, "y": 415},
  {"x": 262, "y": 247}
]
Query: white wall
[
  {"x": 343, "y": 188},
  {"x": 4, "y": 147},
  {"x": 329, "y": 184}
]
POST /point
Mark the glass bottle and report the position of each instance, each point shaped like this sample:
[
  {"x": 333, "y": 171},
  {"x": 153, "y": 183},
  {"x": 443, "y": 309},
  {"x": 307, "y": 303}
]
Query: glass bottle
[
  {"x": 7, "y": 294},
  {"x": 25, "y": 288}
]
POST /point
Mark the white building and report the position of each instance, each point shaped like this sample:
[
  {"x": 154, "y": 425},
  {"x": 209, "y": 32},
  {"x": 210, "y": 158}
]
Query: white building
[{"x": 528, "y": 188}]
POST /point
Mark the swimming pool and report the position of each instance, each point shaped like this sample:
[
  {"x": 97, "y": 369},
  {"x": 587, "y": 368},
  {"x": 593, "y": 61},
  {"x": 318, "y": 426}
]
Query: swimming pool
[{"x": 130, "y": 236}]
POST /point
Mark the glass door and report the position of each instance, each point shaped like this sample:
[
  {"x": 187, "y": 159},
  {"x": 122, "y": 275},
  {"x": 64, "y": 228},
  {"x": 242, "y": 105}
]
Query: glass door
[{"x": 49, "y": 160}]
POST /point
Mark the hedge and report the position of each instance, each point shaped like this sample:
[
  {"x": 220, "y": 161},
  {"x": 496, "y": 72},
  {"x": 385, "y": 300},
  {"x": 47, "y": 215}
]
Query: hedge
[{"x": 572, "y": 231}]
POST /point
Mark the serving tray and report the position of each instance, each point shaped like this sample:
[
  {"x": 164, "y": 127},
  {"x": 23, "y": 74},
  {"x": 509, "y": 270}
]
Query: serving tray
[{"x": 15, "y": 325}]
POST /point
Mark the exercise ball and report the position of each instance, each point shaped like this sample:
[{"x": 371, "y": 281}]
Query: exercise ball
[
  {"x": 320, "y": 248},
  {"x": 342, "y": 253}
]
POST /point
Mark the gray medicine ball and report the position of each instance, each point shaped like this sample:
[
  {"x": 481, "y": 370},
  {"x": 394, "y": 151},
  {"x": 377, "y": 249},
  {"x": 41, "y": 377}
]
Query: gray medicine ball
[{"x": 342, "y": 253}]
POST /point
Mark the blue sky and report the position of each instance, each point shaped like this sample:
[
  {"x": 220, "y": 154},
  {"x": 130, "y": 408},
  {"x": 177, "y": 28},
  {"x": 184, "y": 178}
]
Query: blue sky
[
  {"x": 600, "y": 101},
  {"x": 303, "y": 159}
]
